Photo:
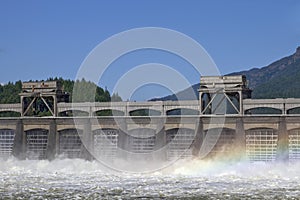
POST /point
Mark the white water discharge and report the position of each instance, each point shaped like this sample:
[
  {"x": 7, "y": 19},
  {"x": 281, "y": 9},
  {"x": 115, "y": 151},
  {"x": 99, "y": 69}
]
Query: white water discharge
[{"x": 79, "y": 179}]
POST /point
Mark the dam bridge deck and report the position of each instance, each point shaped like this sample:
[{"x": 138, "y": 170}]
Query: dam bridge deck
[{"x": 280, "y": 106}]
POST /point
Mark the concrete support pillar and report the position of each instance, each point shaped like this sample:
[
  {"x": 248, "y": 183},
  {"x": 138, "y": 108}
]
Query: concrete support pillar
[
  {"x": 126, "y": 110},
  {"x": 284, "y": 111},
  {"x": 90, "y": 109},
  {"x": 160, "y": 152},
  {"x": 19, "y": 148},
  {"x": 87, "y": 143},
  {"x": 164, "y": 112},
  {"x": 22, "y": 106},
  {"x": 198, "y": 138},
  {"x": 51, "y": 145},
  {"x": 282, "y": 142},
  {"x": 240, "y": 139},
  {"x": 55, "y": 106},
  {"x": 123, "y": 139},
  {"x": 57, "y": 142},
  {"x": 200, "y": 103},
  {"x": 241, "y": 103}
]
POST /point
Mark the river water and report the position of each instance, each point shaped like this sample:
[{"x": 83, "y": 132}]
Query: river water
[{"x": 186, "y": 179}]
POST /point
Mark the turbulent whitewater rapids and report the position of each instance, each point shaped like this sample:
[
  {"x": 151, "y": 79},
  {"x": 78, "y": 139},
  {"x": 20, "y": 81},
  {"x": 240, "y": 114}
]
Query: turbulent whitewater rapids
[{"x": 80, "y": 179}]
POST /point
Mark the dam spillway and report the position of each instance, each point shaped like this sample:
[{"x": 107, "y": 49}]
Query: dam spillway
[
  {"x": 177, "y": 129},
  {"x": 259, "y": 138}
]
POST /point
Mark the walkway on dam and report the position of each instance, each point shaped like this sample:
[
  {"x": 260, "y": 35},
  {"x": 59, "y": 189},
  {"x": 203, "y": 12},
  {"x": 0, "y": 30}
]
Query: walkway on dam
[{"x": 273, "y": 107}]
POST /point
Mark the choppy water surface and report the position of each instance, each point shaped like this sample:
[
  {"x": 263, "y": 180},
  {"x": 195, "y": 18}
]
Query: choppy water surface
[{"x": 78, "y": 179}]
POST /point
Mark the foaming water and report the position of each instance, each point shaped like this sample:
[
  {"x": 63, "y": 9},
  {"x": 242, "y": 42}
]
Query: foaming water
[{"x": 80, "y": 179}]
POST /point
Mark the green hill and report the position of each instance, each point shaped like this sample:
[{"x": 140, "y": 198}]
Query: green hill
[
  {"x": 281, "y": 79},
  {"x": 9, "y": 93}
]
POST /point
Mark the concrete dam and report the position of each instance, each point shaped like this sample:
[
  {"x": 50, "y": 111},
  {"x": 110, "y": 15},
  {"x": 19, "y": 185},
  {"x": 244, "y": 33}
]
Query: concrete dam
[{"x": 223, "y": 122}]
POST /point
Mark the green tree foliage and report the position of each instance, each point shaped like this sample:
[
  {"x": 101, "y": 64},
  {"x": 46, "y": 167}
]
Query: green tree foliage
[
  {"x": 285, "y": 85},
  {"x": 116, "y": 98},
  {"x": 9, "y": 93},
  {"x": 87, "y": 91}
]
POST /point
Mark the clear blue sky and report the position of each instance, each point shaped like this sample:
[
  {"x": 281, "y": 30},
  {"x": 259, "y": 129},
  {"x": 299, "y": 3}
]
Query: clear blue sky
[{"x": 41, "y": 39}]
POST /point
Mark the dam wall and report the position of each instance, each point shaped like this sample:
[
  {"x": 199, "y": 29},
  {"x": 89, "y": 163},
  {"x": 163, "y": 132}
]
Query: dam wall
[
  {"x": 224, "y": 122},
  {"x": 256, "y": 138}
]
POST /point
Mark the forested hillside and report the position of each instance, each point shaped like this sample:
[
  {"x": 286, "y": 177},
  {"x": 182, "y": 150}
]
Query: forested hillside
[
  {"x": 280, "y": 79},
  {"x": 9, "y": 93}
]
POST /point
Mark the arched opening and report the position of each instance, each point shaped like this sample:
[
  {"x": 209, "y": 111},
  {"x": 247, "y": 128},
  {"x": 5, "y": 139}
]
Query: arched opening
[
  {"x": 263, "y": 110},
  {"x": 179, "y": 141},
  {"x": 219, "y": 142},
  {"x": 105, "y": 143},
  {"x": 36, "y": 143},
  {"x": 109, "y": 112},
  {"x": 294, "y": 111},
  {"x": 7, "y": 137},
  {"x": 141, "y": 143},
  {"x": 70, "y": 145},
  {"x": 261, "y": 144},
  {"x": 144, "y": 112},
  {"x": 10, "y": 114},
  {"x": 182, "y": 111},
  {"x": 73, "y": 113},
  {"x": 294, "y": 145}
]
